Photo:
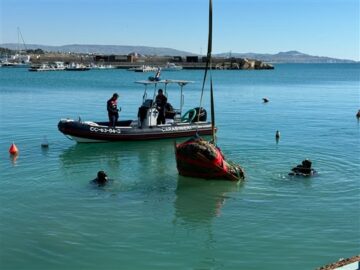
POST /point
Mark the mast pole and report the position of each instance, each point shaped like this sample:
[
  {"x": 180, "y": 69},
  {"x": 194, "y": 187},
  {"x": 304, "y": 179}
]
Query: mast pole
[{"x": 210, "y": 68}]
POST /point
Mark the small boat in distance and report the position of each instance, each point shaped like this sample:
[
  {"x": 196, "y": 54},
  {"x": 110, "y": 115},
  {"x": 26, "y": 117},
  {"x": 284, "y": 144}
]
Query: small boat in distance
[
  {"x": 20, "y": 59},
  {"x": 17, "y": 61},
  {"x": 143, "y": 68},
  {"x": 55, "y": 66},
  {"x": 171, "y": 67},
  {"x": 94, "y": 66},
  {"x": 145, "y": 127},
  {"x": 76, "y": 67}
]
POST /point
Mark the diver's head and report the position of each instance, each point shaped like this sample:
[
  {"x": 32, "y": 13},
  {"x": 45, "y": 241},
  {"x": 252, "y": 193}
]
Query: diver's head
[{"x": 102, "y": 177}]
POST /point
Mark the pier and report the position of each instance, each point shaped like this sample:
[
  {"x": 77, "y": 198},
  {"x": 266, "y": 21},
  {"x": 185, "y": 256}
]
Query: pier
[{"x": 135, "y": 60}]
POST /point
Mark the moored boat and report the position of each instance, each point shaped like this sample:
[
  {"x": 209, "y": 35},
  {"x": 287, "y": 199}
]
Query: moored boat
[
  {"x": 55, "y": 66},
  {"x": 143, "y": 68},
  {"x": 20, "y": 59},
  {"x": 171, "y": 67},
  {"x": 76, "y": 67}
]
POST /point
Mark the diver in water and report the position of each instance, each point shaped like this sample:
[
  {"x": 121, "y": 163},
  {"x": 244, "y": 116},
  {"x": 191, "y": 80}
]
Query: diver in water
[
  {"x": 303, "y": 170},
  {"x": 160, "y": 101},
  {"x": 101, "y": 179}
]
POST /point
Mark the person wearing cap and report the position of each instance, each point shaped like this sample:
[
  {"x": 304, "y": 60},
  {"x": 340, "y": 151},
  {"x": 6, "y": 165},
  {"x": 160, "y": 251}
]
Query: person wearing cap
[{"x": 113, "y": 111}]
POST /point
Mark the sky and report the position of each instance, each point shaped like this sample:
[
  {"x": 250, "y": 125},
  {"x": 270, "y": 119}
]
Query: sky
[{"x": 316, "y": 27}]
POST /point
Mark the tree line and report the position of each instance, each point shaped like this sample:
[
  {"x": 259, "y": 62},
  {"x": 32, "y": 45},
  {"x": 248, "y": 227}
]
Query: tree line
[{"x": 6, "y": 51}]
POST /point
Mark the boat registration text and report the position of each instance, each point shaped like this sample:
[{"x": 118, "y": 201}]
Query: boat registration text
[{"x": 106, "y": 130}]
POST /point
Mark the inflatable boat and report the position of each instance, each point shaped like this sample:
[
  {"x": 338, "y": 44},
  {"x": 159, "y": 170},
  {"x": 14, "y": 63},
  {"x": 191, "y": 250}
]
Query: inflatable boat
[{"x": 145, "y": 127}]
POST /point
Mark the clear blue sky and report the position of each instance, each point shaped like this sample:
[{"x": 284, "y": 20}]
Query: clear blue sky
[{"x": 317, "y": 27}]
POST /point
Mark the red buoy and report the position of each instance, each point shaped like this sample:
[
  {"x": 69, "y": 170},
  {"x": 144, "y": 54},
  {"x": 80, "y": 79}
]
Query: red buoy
[{"x": 13, "y": 150}]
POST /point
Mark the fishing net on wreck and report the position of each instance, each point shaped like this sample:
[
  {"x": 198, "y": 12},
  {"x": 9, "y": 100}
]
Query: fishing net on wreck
[{"x": 198, "y": 157}]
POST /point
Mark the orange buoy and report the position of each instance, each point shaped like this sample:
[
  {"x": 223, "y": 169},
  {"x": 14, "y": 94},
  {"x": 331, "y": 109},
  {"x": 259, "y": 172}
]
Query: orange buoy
[{"x": 13, "y": 150}]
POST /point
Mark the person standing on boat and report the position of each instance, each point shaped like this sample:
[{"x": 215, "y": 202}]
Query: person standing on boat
[
  {"x": 160, "y": 101},
  {"x": 112, "y": 109}
]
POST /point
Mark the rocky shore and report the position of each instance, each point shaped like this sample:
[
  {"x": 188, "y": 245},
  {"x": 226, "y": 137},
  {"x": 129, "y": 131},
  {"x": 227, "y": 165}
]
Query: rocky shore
[{"x": 243, "y": 63}]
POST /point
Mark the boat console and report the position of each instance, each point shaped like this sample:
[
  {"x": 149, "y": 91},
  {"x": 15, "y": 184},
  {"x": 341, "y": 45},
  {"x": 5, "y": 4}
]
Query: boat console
[{"x": 147, "y": 114}]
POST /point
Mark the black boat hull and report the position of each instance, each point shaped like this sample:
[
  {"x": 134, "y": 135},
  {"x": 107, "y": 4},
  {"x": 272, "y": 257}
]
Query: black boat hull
[{"x": 129, "y": 131}]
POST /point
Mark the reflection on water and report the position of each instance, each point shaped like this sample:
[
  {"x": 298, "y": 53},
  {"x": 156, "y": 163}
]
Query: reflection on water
[
  {"x": 112, "y": 153},
  {"x": 141, "y": 166},
  {"x": 199, "y": 201},
  {"x": 13, "y": 159}
]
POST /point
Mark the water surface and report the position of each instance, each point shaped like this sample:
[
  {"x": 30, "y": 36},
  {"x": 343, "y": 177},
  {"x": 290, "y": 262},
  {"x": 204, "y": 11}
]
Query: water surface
[{"x": 152, "y": 218}]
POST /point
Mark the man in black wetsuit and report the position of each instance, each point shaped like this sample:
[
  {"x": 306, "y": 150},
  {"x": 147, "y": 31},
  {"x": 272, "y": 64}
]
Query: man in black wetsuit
[
  {"x": 101, "y": 179},
  {"x": 113, "y": 111},
  {"x": 160, "y": 101}
]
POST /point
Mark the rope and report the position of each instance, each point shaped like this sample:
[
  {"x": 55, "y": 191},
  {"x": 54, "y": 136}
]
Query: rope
[{"x": 207, "y": 67}]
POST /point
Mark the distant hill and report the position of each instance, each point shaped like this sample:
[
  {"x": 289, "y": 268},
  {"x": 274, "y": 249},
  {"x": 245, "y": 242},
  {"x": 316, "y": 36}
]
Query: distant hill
[
  {"x": 287, "y": 57},
  {"x": 281, "y": 57},
  {"x": 102, "y": 49}
]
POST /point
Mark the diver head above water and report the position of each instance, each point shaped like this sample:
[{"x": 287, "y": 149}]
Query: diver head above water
[{"x": 101, "y": 179}]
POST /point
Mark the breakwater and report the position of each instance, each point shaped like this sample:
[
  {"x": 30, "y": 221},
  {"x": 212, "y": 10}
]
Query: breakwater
[{"x": 135, "y": 60}]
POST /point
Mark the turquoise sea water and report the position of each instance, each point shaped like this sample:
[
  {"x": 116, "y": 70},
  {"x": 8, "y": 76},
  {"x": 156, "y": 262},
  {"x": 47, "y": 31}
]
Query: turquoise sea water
[{"x": 152, "y": 218}]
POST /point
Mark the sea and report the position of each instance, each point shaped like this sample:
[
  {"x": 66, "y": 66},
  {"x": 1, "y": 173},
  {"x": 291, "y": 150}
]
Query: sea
[{"x": 149, "y": 217}]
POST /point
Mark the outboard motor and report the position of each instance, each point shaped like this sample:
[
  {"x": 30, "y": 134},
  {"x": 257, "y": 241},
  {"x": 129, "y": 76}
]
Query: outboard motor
[{"x": 200, "y": 115}]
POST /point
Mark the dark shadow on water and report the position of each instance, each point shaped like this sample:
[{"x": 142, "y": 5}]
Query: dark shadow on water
[
  {"x": 45, "y": 151},
  {"x": 199, "y": 201}
]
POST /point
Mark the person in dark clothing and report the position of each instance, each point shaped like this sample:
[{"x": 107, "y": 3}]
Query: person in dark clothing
[
  {"x": 304, "y": 169},
  {"x": 101, "y": 179},
  {"x": 160, "y": 101},
  {"x": 113, "y": 111}
]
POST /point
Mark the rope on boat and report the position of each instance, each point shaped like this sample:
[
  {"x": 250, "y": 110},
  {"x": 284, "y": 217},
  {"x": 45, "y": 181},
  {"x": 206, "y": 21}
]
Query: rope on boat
[{"x": 208, "y": 66}]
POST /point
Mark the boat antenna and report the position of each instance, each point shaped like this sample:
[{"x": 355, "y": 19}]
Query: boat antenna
[{"x": 209, "y": 67}]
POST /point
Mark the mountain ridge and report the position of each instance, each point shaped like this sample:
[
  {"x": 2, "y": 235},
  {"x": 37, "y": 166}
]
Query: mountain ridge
[{"x": 291, "y": 56}]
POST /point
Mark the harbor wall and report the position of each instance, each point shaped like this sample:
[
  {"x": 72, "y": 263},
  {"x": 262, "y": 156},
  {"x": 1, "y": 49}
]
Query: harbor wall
[{"x": 129, "y": 61}]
